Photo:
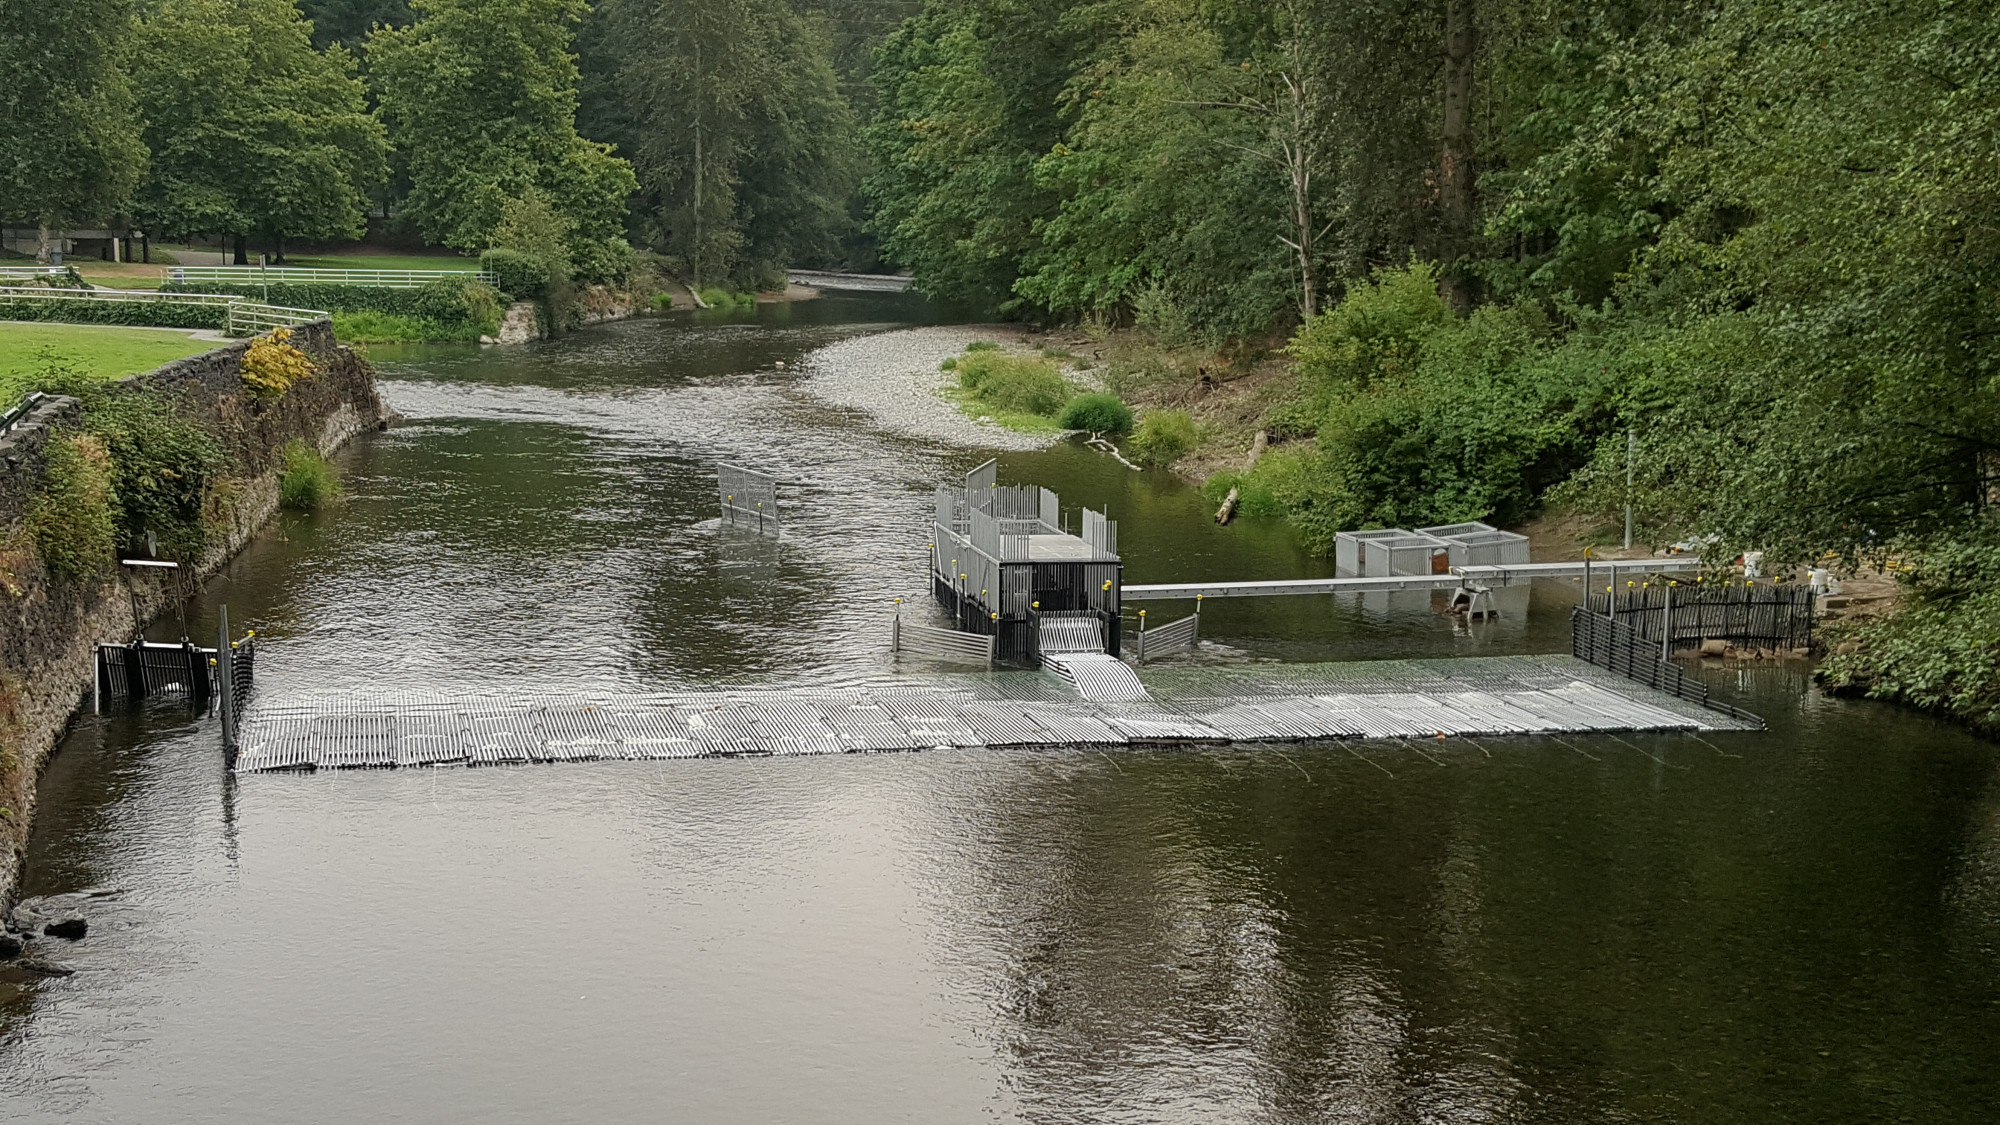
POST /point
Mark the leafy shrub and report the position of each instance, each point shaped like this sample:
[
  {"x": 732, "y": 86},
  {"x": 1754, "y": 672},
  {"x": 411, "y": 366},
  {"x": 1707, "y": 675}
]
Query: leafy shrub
[
  {"x": 1941, "y": 652},
  {"x": 1164, "y": 437},
  {"x": 602, "y": 261},
  {"x": 722, "y": 300},
  {"x": 148, "y": 314},
  {"x": 950, "y": 364},
  {"x": 1098, "y": 413},
  {"x": 663, "y": 302},
  {"x": 448, "y": 309},
  {"x": 271, "y": 364},
  {"x": 516, "y": 272},
  {"x": 1013, "y": 384},
  {"x": 1375, "y": 333},
  {"x": 982, "y": 346},
  {"x": 162, "y": 467},
  {"x": 306, "y": 483},
  {"x": 72, "y": 518},
  {"x": 370, "y": 327}
]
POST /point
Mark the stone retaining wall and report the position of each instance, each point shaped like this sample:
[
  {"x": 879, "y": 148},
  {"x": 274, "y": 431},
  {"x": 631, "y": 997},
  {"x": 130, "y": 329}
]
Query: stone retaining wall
[{"x": 48, "y": 629}]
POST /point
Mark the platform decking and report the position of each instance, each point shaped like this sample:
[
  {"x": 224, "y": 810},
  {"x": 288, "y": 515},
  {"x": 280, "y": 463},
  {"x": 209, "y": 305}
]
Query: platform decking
[{"x": 1401, "y": 699}]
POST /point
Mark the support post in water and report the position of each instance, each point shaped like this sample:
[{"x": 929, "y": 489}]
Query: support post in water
[{"x": 225, "y": 677}]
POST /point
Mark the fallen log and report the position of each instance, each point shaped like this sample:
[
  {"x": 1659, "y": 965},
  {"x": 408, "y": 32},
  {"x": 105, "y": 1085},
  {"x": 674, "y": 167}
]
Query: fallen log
[{"x": 1257, "y": 446}]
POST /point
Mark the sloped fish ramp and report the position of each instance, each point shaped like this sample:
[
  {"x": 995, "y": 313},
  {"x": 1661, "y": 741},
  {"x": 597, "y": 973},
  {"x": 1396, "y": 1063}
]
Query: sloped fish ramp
[{"x": 1186, "y": 705}]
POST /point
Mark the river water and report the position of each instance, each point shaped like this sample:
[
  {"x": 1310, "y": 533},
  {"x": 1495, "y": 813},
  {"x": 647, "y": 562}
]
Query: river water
[{"x": 1800, "y": 925}]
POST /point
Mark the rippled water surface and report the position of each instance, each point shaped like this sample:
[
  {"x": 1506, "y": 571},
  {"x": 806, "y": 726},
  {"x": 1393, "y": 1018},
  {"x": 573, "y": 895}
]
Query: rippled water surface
[{"x": 1802, "y": 925}]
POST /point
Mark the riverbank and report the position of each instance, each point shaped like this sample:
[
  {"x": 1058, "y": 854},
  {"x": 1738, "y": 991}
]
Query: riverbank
[
  {"x": 895, "y": 378},
  {"x": 50, "y": 622}
]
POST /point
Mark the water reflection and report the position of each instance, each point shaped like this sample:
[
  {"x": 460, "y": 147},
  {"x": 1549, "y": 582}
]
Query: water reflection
[{"x": 1796, "y": 925}]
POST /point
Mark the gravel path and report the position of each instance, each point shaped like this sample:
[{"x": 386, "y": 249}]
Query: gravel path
[{"x": 894, "y": 376}]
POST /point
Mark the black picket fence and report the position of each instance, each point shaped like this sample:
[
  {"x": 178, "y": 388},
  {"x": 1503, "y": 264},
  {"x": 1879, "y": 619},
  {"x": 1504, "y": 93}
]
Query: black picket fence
[
  {"x": 1765, "y": 616},
  {"x": 1617, "y": 647}
]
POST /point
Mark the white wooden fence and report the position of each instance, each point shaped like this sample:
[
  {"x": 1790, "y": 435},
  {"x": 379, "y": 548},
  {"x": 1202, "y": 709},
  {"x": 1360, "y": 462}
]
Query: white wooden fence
[
  {"x": 241, "y": 316},
  {"x": 301, "y": 275}
]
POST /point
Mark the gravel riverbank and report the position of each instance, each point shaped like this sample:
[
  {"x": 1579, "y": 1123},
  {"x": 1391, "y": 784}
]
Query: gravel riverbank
[{"x": 894, "y": 376}]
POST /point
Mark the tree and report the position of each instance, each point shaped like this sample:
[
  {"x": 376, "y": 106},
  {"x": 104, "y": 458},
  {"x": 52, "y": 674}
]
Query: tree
[
  {"x": 347, "y": 22},
  {"x": 480, "y": 98},
  {"x": 70, "y": 151},
  {"x": 1173, "y": 204},
  {"x": 254, "y": 133},
  {"x": 732, "y": 112},
  {"x": 970, "y": 102}
]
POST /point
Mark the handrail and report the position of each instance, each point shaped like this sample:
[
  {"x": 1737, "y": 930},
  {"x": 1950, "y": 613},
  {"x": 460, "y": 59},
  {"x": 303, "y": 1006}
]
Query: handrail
[
  {"x": 38, "y": 293},
  {"x": 296, "y": 275},
  {"x": 20, "y": 410}
]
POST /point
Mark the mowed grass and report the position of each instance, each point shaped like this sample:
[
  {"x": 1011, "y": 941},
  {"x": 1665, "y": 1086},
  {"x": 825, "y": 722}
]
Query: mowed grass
[{"x": 105, "y": 352}]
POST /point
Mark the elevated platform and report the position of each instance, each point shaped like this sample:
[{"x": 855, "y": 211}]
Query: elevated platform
[
  {"x": 1484, "y": 575},
  {"x": 1372, "y": 700}
]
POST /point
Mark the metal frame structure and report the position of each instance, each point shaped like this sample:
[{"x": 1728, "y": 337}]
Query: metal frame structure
[
  {"x": 749, "y": 498},
  {"x": 1002, "y": 564}
]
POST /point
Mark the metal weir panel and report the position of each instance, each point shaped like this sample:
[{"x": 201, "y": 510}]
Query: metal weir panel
[{"x": 1481, "y": 696}]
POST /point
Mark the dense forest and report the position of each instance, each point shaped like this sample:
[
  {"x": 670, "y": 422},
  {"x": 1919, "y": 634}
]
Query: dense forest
[{"x": 1491, "y": 237}]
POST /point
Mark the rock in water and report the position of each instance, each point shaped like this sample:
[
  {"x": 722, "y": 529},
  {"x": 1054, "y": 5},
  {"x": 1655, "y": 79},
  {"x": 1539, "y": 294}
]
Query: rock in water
[
  {"x": 10, "y": 947},
  {"x": 70, "y": 926},
  {"x": 46, "y": 969},
  {"x": 25, "y": 919}
]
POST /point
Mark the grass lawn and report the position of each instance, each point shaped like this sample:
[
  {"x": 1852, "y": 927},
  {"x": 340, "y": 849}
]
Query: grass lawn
[
  {"x": 385, "y": 262},
  {"x": 103, "y": 351}
]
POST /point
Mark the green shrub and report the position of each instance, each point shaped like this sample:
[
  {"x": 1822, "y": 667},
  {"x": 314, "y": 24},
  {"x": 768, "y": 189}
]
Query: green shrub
[
  {"x": 1164, "y": 437},
  {"x": 982, "y": 346},
  {"x": 950, "y": 364},
  {"x": 1013, "y": 384},
  {"x": 448, "y": 310},
  {"x": 516, "y": 272},
  {"x": 369, "y": 327},
  {"x": 72, "y": 518},
  {"x": 722, "y": 300},
  {"x": 145, "y": 314},
  {"x": 1098, "y": 413},
  {"x": 306, "y": 483},
  {"x": 663, "y": 302},
  {"x": 602, "y": 261},
  {"x": 162, "y": 467}
]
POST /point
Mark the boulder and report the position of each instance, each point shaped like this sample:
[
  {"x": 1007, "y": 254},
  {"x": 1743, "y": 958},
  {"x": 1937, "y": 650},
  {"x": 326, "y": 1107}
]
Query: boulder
[
  {"x": 10, "y": 947},
  {"x": 1714, "y": 647},
  {"x": 71, "y": 926},
  {"x": 25, "y": 919}
]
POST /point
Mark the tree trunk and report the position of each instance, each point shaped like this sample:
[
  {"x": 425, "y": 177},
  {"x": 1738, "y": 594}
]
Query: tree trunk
[
  {"x": 1298, "y": 152},
  {"x": 146, "y": 248},
  {"x": 242, "y": 255},
  {"x": 41, "y": 244},
  {"x": 1461, "y": 45},
  {"x": 278, "y": 245}
]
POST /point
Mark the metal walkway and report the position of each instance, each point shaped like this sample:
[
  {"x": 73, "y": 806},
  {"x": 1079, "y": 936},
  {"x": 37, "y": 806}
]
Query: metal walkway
[
  {"x": 1479, "y": 696},
  {"x": 1484, "y": 575}
]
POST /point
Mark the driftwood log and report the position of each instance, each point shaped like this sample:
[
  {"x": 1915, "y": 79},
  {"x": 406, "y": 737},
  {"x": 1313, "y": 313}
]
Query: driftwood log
[{"x": 1228, "y": 510}]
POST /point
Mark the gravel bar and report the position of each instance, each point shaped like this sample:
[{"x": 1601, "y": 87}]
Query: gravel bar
[{"x": 894, "y": 376}]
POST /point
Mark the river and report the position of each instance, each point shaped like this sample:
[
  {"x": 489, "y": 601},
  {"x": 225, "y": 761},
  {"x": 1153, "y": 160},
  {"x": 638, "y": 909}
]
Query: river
[{"x": 1799, "y": 925}]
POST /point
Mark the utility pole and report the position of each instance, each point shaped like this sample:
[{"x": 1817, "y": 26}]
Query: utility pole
[{"x": 1631, "y": 443}]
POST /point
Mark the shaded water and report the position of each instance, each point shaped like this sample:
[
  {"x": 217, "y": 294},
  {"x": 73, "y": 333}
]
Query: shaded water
[{"x": 1799, "y": 925}]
